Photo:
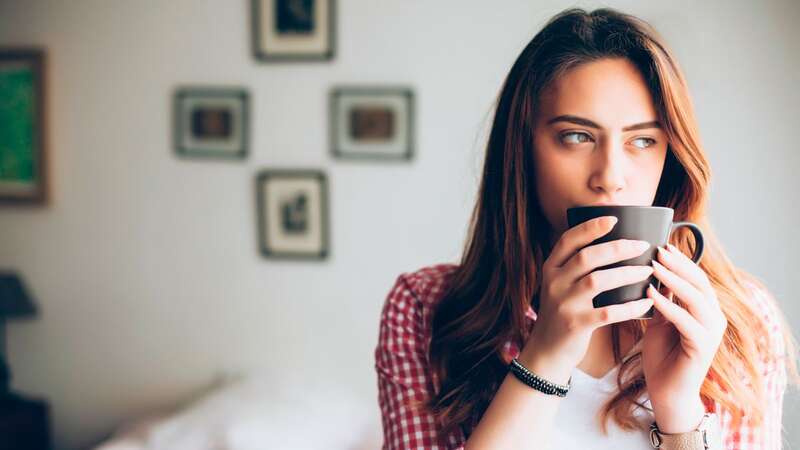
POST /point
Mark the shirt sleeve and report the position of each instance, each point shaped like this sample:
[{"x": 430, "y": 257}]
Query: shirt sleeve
[
  {"x": 767, "y": 435},
  {"x": 401, "y": 363}
]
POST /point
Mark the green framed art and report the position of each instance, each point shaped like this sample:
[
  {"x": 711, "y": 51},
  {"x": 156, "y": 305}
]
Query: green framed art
[{"x": 23, "y": 175}]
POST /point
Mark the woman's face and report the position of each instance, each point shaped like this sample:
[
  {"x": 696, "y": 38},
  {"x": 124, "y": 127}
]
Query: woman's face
[{"x": 597, "y": 140}]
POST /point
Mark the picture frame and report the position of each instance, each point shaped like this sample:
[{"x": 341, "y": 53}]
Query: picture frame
[
  {"x": 23, "y": 150},
  {"x": 211, "y": 122},
  {"x": 292, "y": 209},
  {"x": 293, "y": 30},
  {"x": 372, "y": 122}
]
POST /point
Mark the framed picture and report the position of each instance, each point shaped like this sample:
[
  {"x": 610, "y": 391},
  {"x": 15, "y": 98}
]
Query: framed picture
[
  {"x": 23, "y": 156},
  {"x": 292, "y": 210},
  {"x": 211, "y": 122},
  {"x": 293, "y": 30},
  {"x": 372, "y": 123}
]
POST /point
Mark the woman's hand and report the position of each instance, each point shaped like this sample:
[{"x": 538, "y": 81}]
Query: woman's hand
[
  {"x": 566, "y": 315},
  {"x": 680, "y": 343}
]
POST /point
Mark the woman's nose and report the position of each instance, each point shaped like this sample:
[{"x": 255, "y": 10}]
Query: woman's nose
[{"x": 610, "y": 165}]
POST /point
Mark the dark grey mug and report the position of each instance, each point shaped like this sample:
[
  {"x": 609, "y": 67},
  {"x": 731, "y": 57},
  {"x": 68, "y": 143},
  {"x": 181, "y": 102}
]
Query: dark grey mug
[{"x": 644, "y": 223}]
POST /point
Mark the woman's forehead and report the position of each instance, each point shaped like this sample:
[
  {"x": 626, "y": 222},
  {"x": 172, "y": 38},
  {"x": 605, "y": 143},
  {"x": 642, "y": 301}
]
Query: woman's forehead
[{"x": 611, "y": 92}]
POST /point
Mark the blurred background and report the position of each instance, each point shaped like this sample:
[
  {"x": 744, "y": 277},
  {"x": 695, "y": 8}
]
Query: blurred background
[{"x": 145, "y": 266}]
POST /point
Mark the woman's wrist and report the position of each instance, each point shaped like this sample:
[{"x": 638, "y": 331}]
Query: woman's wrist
[
  {"x": 545, "y": 366},
  {"x": 679, "y": 414}
]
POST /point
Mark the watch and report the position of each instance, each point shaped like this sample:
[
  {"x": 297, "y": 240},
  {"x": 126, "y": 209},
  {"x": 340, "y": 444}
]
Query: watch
[{"x": 706, "y": 436}]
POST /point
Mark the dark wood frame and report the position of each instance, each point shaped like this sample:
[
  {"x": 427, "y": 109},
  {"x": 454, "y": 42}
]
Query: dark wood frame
[
  {"x": 262, "y": 177},
  {"x": 339, "y": 91},
  {"x": 261, "y": 54},
  {"x": 208, "y": 91},
  {"x": 37, "y": 58}
]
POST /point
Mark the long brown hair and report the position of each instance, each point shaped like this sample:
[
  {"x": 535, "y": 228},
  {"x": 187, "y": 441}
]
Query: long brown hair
[{"x": 508, "y": 240}]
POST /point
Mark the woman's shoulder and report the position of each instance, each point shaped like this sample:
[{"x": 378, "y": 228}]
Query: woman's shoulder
[
  {"x": 429, "y": 282},
  {"x": 416, "y": 293}
]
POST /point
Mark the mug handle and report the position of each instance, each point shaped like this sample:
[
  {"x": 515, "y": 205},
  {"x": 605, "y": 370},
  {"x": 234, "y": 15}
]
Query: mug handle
[{"x": 698, "y": 238}]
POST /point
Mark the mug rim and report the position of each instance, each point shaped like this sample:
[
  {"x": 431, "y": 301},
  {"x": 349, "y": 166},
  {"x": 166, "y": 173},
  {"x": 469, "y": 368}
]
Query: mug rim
[{"x": 619, "y": 206}]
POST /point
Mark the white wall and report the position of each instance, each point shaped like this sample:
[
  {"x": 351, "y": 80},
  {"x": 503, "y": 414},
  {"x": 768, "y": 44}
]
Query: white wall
[{"x": 146, "y": 266}]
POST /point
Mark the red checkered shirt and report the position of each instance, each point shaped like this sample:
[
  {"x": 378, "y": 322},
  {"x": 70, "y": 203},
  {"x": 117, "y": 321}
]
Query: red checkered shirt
[{"x": 401, "y": 362}]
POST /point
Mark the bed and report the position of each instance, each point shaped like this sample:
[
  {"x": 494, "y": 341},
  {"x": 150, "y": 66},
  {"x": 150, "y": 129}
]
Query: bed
[{"x": 258, "y": 413}]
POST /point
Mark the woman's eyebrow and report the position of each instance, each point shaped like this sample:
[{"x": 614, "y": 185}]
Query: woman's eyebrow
[{"x": 588, "y": 123}]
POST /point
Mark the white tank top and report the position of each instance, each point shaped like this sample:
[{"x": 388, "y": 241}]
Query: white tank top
[{"x": 577, "y": 427}]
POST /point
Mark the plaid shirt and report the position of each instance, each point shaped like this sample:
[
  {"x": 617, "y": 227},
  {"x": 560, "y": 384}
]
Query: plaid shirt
[{"x": 401, "y": 362}]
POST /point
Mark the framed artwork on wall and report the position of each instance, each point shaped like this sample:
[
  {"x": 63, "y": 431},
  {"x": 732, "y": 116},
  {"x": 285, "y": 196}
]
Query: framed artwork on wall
[
  {"x": 23, "y": 156},
  {"x": 372, "y": 123},
  {"x": 211, "y": 122},
  {"x": 293, "y": 30},
  {"x": 292, "y": 209}
]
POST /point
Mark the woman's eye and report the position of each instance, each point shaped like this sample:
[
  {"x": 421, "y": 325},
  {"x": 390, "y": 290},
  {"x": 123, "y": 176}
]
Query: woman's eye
[
  {"x": 575, "y": 138},
  {"x": 648, "y": 142}
]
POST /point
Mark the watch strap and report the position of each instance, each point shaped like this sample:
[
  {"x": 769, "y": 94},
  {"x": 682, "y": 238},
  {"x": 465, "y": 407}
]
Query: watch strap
[{"x": 706, "y": 436}]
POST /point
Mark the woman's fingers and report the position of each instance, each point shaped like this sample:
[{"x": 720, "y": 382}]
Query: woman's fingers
[
  {"x": 603, "y": 254},
  {"x": 620, "y": 312},
  {"x": 689, "y": 295},
  {"x": 686, "y": 324},
  {"x": 578, "y": 237},
  {"x": 687, "y": 269},
  {"x": 608, "y": 279}
]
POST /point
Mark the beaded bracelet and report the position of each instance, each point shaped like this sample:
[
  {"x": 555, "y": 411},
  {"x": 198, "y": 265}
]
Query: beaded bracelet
[{"x": 537, "y": 382}]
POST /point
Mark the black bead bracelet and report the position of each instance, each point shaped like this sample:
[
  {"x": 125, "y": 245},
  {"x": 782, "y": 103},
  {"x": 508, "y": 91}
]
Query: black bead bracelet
[{"x": 537, "y": 382}]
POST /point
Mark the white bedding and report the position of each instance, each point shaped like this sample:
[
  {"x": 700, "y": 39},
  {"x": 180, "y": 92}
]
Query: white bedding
[{"x": 260, "y": 413}]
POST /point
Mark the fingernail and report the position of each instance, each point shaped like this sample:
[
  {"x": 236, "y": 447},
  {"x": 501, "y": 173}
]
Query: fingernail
[
  {"x": 654, "y": 293},
  {"x": 657, "y": 264},
  {"x": 642, "y": 245},
  {"x": 672, "y": 247},
  {"x": 662, "y": 251}
]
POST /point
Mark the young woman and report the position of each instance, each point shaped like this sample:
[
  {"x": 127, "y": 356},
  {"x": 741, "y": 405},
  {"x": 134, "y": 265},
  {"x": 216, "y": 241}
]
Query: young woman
[{"x": 594, "y": 111}]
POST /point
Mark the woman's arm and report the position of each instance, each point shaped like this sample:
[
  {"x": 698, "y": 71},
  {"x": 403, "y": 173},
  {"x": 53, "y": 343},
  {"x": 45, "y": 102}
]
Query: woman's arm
[
  {"x": 403, "y": 376},
  {"x": 521, "y": 417},
  {"x": 768, "y": 435}
]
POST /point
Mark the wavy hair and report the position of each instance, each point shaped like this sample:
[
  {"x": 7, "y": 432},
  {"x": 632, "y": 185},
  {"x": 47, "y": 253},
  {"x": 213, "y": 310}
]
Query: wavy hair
[{"x": 500, "y": 270}]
